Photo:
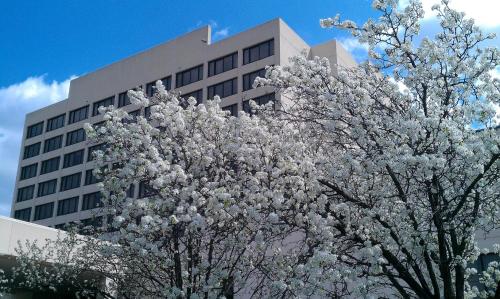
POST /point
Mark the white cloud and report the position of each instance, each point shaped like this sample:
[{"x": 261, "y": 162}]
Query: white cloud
[
  {"x": 352, "y": 44},
  {"x": 221, "y": 33},
  {"x": 218, "y": 33},
  {"x": 213, "y": 24},
  {"x": 16, "y": 101},
  {"x": 484, "y": 12},
  {"x": 495, "y": 73},
  {"x": 33, "y": 91},
  {"x": 401, "y": 86}
]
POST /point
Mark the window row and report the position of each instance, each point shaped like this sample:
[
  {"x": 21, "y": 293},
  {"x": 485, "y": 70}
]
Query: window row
[
  {"x": 57, "y": 122},
  {"x": 191, "y": 75},
  {"x": 54, "y": 143},
  {"x": 49, "y": 187},
  {"x": 262, "y": 100},
  {"x": 223, "y": 89},
  {"x": 65, "y": 206},
  {"x": 53, "y": 164}
]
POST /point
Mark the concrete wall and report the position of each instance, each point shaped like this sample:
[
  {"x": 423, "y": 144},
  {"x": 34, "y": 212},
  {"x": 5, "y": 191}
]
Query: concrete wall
[
  {"x": 12, "y": 231},
  {"x": 335, "y": 53}
]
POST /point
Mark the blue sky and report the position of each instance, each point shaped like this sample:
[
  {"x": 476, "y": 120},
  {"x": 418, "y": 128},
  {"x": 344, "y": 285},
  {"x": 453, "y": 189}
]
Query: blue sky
[{"x": 45, "y": 43}]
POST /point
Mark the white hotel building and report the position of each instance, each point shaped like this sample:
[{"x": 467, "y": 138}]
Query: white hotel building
[{"x": 54, "y": 183}]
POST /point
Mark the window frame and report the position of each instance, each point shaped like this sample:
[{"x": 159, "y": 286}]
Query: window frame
[
  {"x": 233, "y": 109},
  {"x": 49, "y": 142},
  {"x": 70, "y": 178},
  {"x": 90, "y": 178},
  {"x": 29, "y": 169},
  {"x": 73, "y": 113},
  {"x": 50, "y": 163},
  {"x": 249, "y": 51},
  {"x": 67, "y": 206},
  {"x": 248, "y": 82},
  {"x": 34, "y": 130},
  {"x": 54, "y": 124},
  {"x": 212, "y": 64},
  {"x": 179, "y": 76},
  {"x": 47, "y": 183},
  {"x": 31, "y": 194},
  {"x": 45, "y": 215},
  {"x": 17, "y": 216},
  {"x": 212, "y": 89},
  {"x": 123, "y": 99},
  {"x": 27, "y": 149},
  {"x": 74, "y": 158},
  {"x": 91, "y": 149},
  {"x": 151, "y": 86},
  {"x": 271, "y": 97},
  {"x": 106, "y": 102},
  {"x": 96, "y": 201},
  {"x": 68, "y": 139}
]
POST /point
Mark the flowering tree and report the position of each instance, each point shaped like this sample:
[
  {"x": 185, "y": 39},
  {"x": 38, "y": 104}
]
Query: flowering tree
[
  {"x": 409, "y": 176},
  {"x": 350, "y": 188}
]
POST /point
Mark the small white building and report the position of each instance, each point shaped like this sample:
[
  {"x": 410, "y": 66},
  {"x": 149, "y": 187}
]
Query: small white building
[{"x": 13, "y": 232}]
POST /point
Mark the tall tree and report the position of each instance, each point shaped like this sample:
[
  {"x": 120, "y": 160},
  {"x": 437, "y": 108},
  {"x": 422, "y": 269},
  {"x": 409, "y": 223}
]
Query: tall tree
[
  {"x": 410, "y": 178},
  {"x": 350, "y": 188}
]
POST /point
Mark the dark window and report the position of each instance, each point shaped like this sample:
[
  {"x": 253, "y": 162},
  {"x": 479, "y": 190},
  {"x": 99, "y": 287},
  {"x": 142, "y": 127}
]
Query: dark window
[
  {"x": 104, "y": 103},
  {"x": 223, "y": 89},
  {"x": 25, "y": 193},
  {"x": 67, "y": 206},
  {"x": 197, "y": 94},
  {"x": 151, "y": 86},
  {"x": 262, "y": 100},
  {"x": 75, "y": 136},
  {"x": 95, "y": 148},
  {"x": 258, "y": 52},
  {"x": 189, "y": 76},
  {"x": 55, "y": 123},
  {"x": 34, "y": 130},
  {"x": 167, "y": 82},
  {"x": 73, "y": 158},
  {"x": 28, "y": 171},
  {"x": 98, "y": 125},
  {"x": 147, "y": 112},
  {"x": 71, "y": 181},
  {"x": 91, "y": 201},
  {"x": 250, "y": 77},
  {"x": 90, "y": 178},
  {"x": 44, "y": 211},
  {"x": 78, "y": 115},
  {"x": 123, "y": 99},
  {"x": 132, "y": 117},
  {"x": 223, "y": 64},
  {"x": 50, "y": 165},
  {"x": 24, "y": 214},
  {"x": 131, "y": 191},
  {"x": 94, "y": 222},
  {"x": 60, "y": 226},
  {"x": 233, "y": 109},
  {"x": 52, "y": 144},
  {"x": 47, "y": 187},
  {"x": 31, "y": 150},
  {"x": 145, "y": 189}
]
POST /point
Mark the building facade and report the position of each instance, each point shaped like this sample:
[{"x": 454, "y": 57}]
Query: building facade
[{"x": 54, "y": 184}]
